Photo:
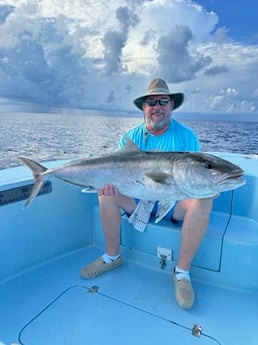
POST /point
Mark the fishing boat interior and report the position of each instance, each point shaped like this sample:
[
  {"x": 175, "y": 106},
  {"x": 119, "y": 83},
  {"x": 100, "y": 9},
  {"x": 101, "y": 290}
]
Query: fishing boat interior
[{"x": 43, "y": 247}]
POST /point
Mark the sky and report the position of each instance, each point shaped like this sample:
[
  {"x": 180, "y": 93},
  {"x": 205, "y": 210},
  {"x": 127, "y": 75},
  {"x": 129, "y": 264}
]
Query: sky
[{"x": 102, "y": 54}]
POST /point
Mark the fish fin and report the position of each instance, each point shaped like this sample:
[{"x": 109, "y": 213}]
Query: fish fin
[
  {"x": 160, "y": 177},
  {"x": 130, "y": 146},
  {"x": 37, "y": 170},
  {"x": 89, "y": 189},
  {"x": 163, "y": 208}
]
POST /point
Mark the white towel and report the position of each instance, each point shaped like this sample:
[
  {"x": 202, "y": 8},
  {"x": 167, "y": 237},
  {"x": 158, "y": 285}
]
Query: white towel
[{"x": 141, "y": 215}]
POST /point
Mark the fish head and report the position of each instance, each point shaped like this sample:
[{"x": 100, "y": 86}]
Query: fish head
[{"x": 201, "y": 175}]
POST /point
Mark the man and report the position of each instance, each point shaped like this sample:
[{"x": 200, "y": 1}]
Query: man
[{"x": 158, "y": 132}]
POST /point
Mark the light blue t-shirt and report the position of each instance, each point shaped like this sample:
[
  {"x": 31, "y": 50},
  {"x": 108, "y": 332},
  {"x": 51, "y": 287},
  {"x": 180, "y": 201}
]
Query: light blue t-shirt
[{"x": 177, "y": 137}]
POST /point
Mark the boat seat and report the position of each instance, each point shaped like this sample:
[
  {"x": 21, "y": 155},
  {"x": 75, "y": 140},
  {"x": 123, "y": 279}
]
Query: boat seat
[
  {"x": 226, "y": 229},
  {"x": 168, "y": 236}
]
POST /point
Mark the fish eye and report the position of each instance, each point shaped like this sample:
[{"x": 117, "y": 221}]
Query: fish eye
[{"x": 209, "y": 165}]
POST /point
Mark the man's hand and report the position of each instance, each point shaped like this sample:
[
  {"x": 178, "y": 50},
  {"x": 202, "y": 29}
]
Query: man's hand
[{"x": 107, "y": 190}]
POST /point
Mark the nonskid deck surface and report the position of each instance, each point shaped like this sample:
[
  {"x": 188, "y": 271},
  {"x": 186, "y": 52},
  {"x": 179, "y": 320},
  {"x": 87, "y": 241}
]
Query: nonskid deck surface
[{"x": 133, "y": 304}]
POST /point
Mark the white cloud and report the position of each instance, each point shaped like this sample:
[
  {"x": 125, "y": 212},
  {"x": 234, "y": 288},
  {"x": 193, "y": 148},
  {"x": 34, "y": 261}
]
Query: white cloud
[
  {"x": 229, "y": 84},
  {"x": 102, "y": 54}
]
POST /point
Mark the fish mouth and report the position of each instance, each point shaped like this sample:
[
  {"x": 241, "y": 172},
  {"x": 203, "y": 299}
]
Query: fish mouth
[{"x": 236, "y": 177}]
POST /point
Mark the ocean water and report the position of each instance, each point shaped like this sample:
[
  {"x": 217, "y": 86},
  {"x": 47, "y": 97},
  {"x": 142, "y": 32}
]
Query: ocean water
[{"x": 52, "y": 136}]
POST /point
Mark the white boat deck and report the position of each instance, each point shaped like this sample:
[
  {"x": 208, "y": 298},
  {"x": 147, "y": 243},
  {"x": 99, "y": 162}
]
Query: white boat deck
[{"x": 134, "y": 304}]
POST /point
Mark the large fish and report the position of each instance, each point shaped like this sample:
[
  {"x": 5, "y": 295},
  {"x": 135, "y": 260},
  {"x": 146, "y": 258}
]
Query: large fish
[{"x": 153, "y": 176}]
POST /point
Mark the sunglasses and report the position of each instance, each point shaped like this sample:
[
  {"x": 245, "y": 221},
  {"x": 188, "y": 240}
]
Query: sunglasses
[{"x": 152, "y": 102}]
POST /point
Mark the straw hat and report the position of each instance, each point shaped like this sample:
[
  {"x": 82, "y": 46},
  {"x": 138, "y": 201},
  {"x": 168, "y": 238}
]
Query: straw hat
[{"x": 159, "y": 87}]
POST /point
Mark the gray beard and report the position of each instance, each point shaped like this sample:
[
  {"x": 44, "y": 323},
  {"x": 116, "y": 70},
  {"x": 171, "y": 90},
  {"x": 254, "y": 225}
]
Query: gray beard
[{"x": 158, "y": 125}]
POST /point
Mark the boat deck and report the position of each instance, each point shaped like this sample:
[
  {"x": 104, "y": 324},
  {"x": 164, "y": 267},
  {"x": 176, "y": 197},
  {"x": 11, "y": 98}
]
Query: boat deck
[{"x": 133, "y": 304}]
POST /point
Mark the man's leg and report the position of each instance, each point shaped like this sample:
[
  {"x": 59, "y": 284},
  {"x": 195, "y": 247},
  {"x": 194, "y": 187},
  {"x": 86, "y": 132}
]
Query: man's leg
[
  {"x": 110, "y": 203},
  {"x": 195, "y": 215}
]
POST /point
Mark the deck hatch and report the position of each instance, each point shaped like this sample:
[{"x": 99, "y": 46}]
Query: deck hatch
[
  {"x": 20, "y": 193},
  {"x": 78, "y": 317}
]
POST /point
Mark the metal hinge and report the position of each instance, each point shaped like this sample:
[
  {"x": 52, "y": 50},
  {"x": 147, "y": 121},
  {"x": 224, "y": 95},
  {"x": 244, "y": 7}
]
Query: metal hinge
[
  {"x": 93, "y": 289},
  {"x": 197, "y": 330}
]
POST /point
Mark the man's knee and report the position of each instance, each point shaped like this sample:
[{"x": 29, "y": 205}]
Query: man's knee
[
  {"x": 119, "y": 201},
  {"x": 198, "y": 207},
  {"x": 205, "y": 205}
]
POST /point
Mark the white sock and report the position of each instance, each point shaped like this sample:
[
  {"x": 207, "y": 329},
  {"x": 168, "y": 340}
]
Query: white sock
[
  {"x": 181, "y": 274},
  {"x": 109, "y": 258}
]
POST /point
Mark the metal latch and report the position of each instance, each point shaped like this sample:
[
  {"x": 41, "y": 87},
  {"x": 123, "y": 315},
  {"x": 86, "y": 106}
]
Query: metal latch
[
  {"x": 197, "y": 330},
  {"x": 93, "y": 289},
  {"x": 163, "y": 261}
]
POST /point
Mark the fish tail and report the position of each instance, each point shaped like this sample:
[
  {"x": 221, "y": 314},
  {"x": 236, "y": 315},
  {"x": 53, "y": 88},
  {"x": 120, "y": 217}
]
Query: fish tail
[{"x": 37, "y": 170}]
